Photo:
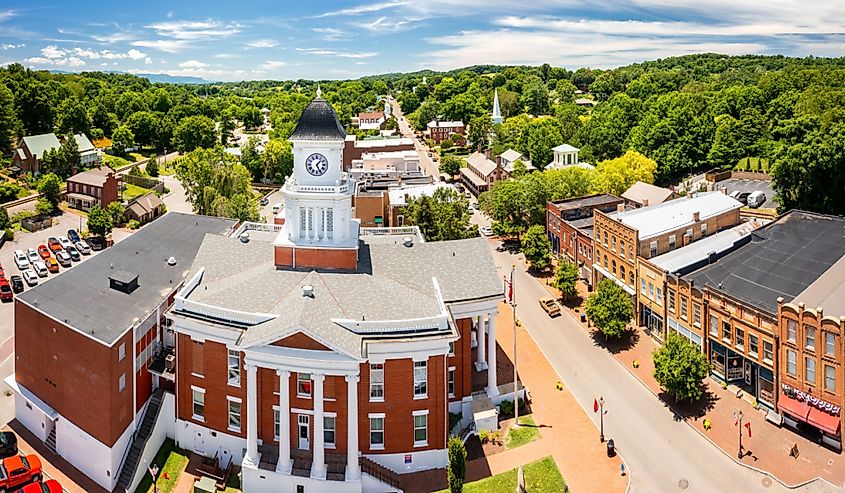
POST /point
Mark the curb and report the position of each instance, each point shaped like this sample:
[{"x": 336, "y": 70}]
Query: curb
[{"x": 701, "y": 433}]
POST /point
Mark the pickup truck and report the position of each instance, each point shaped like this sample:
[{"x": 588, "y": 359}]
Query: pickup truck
[
  {"x": 550, "y": 306},
  {"x": 17, "y": 470}
]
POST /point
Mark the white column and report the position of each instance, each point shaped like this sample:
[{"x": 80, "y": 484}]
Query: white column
[
  {"x": 352, "y": 470},
  {"x": 318, "y": 467},
  {"x": 492, "y": 389},
  {"x": 252, "y": 414},
  {"x": 284, "y": 464},
  {"x": 480, "y": 331}
]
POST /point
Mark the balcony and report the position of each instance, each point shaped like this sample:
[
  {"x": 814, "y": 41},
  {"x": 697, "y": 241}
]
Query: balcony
[
  {"x": 302, "y": 460},
  {"x": 163, "y": 364}
]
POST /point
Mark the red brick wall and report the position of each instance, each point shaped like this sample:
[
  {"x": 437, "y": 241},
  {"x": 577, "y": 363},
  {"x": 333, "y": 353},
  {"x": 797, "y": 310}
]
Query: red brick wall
[
  {"x": 316, "y": 258},
  {"x": 462, "y": 360},
  {"x": 352, "y": 152},
  {"x": 109, "y": 192},
  {"x": 300, "y": 341},
  {"x": 74, "y": 374}
]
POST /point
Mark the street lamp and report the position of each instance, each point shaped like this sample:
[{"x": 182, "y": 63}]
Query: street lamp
[
  {"x": 738, "y": 418},
  {"x": 601, "y": 419},
  {"x": 515, "y": 388}
]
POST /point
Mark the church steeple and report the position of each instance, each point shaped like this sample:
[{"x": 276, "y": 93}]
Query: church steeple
[{"x": 497, "y": 115}]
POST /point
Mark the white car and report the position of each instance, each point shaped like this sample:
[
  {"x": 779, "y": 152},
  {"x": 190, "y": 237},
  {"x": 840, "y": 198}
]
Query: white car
[
  {"x": 32, "y": 255},
  {"x": 40, "y": 268},
  {"x": 64, "y": 242},
  {"x": 83, "y": 247},
  {"x": 29, "y": 277},
  {"x": 21, "y": 260},
  {"x": 486, "y": 230}
]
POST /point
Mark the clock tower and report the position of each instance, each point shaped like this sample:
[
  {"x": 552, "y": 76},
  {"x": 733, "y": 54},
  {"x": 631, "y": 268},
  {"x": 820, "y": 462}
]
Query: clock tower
[{"x": 319, "y": 230}]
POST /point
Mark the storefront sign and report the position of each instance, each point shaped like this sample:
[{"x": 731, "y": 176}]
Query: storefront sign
[{"x": 810, "y": 399}]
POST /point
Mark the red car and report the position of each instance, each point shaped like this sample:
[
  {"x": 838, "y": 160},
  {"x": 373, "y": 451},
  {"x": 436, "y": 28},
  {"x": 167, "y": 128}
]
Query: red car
[
  {"x": 19, "y": 469},
  {"x": 5, "y": 290},
  {"x": 54, "y": 244},
  {"x": 49, "y": 486},
  {"x": 44, "y": 251}
]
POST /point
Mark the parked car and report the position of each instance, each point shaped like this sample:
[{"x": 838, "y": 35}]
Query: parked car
[
  {"x": 83, "y": 247},
  {"x": 64, "y": 242},
  {"x": 740, "y": 196},
  {"x": 17, "y": 284},
  {"x": 53, "y": 244},
  {"x": 49, "y": 486},
  {"x": 96, "y": 243},
  {"x": 756, "y": 199},
  {"x": 8, "y": 444},
  {"x": 550, "y": 306},
  {"x": 73, "y": 235},
  {"x": 21, "y": 260},
  {"x": 30, "y": 277},
  {"x": 6, "y": 293},
  {"x": 63, "y": 258},
  {"x": 32, "y": 255},
  {"x": 52, "y": 265},
  {"x": 40, "y": 268},
  {"x": 44, "y": 251},
  {"x": 74, "y": 253},
  {"x": 486, "y": 230},
  {"x": 264, "y": 201},
  {"x": 19, "y": 469}
]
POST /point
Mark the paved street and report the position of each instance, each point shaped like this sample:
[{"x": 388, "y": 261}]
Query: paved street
[
  {"x": 661, "y": 453},
  {"x": 427, "y": 165}
]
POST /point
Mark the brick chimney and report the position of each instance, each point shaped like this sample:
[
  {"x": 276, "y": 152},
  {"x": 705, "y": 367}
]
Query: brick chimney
[
  {"x": 645, "y": 202},
  {"x": 620, "y": 207},
  {"x": 696, "y": 216}
]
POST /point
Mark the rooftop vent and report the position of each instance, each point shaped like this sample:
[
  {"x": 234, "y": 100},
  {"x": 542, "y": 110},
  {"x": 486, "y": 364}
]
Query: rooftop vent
[
  {"x": 408, "y": 241},
  {"x": 123, "y": 281},
  {"x": 171, "y": 261},
  {"x": 244, "y": 237},
  {"x": 308, "y": 291}
]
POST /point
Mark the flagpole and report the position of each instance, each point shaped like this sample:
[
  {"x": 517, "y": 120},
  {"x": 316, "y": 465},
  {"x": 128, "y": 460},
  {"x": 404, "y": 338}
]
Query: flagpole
[{"x": 515, "y": 388}]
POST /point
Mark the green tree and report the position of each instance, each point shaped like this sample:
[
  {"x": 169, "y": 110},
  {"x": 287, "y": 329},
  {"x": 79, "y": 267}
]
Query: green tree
[
  {"x": 610, "y": 308},
  {"x": 99, "y": 221},
  {"x": 50, "y": 188},
  {"x": 145, "y": 128},
  {"x": 44, "y": 207},
  {"x": 480, "y": 129},
  {"x": 8, "y": 120},
  {"x": 8, "y": 191},
  {"x": 277, "y": 160},
  {"x": 194, "y": 132},
  {"x": 443, "y": 216},
  {"x": 505, "y": 203},
  {"x": 614, "y": 176},
  {"x": 73, "y": 118},
  {"x": 535, "y": 98},
  {"x": 456, "y": 470},
  {"x": 537, "y": 248},
  {"x": 213, "y": 180},
  {"x": 122, "y": 139},
  {"x": 566, "y": 278},
  {"x": 252, "y": 117},
  {"x": 69, "y": 155},
  {"x": 605, "y": 133},
  {"x": 450, "y": 165},
  {"x": 152, "y": 166},
  {"x": 242, "y": 207},
  {"x": 680, "y": 367},
  {"x": 5, "y": 223},
  {"x": 428, "y": 111},
  {"x": 117, "y": 213},
  {"x": 519, "y": 169}
]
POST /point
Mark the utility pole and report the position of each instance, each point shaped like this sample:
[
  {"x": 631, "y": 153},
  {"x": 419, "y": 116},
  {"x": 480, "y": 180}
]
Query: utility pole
[
  {"x": 515, "y": 387},
  {"x": 601, "y": 419}
]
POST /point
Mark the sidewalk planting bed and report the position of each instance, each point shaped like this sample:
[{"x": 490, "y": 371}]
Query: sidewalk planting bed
[{"x": 541, "y": 476}]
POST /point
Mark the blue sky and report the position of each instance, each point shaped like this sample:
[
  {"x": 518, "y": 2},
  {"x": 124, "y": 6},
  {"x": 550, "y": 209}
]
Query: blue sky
[{"x": 234, "y": 40}]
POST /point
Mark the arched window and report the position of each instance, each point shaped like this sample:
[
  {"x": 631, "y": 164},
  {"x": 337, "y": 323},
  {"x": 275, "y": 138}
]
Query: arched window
[
  {"x": 613, "y": 263},
  {"x": 613, "y": 243},
  {"x": 622, "y": 272},
  {"x": 622, "y": 248},
  {"x": 631, "y": 278},
  {"x": 605, "y": 261}
]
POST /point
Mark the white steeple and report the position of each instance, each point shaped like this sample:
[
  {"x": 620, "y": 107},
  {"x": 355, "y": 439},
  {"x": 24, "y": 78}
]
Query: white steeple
[
  {"x": 497, "y": 115},
  {"x": 319, "y": 92}
]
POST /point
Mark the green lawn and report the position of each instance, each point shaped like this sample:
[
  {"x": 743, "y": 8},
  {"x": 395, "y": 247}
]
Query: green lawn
[
  {"x": 174, "y": 461},
  {"x": 541, "y": 476},
  {"x": 114, "y": 161},
  {"x": 133, "y": 191},
  {"x": 752, "y": 164},
  {"x": 526, "y": 433}
]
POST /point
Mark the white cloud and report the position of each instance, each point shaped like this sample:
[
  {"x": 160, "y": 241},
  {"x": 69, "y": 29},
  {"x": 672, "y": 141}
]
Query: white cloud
[
  {"x": 330, "y": 33},
  {"x": 262, "y": 43},
  {"x": 166, "y": 45},
  {"x": 52, "y": 52},
  {"x": 70, "y": 61},
  {"x": 7, "y": 14},
  {"x": 113, "y": 37},
  {"x": 148, "y": 61},
  {"x": 11, "y": 46},
  {"x": 273, "y": 64},
  {"x": 364, "y": 9},
  {"x": 342, "y": 54},
  {"x": 193, "y": 64},
  {"x": 225, "y": 55},
  {"x": 194, "y": 30},
  {"x": 132, "y": 54}
]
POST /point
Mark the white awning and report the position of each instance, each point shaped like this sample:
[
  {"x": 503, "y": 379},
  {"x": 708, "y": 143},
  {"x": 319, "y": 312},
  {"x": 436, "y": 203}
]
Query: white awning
[
  {"x": 628, "y": 289},
  {"x": 26, "y": 394}
]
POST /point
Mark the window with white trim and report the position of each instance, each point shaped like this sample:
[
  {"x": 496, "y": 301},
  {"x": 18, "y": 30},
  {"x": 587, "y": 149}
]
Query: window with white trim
[
  {"x": 329, "y": 430},
  {"x": 276, "y": 421},
  {"x": 829, "y": 343},
  {"x": 377, "y": 382},
  {"x": 790, "y": 330},
  {"x": 810, "y": 370},
  {"x": 767, "y": 351},
  {"x": 810, "y": 335},
  {"x": 696, "y": 314},
  {"x": 714, "y": 326},
  {"x": 234, "y": 413},
  {"x": 198, "y": 403},
  {"x": 670, "y": 298},
  {"x": 451, "y": 381},
  {"x": 791, "y": 362},
  {"x": 121, "y": 382},
  {"x": 671, "y": 242},
  {"x": 376, "y": 432},
  {"x": 303, "y": 384},
  {"x": 420, "y": 428},
  {"x": 684, "y": 308},
  {"x": 753, "y": 345},
  {"x": 451, "y": 348},
  {"x": 829, "y": 378},
  {"x": 420, "y": 379},
  {"x": 652, "y": 249},
  {"x": 643, "y": 287},
  {"x": 234, "y": 365},
  {"x": 703, "y": 229},
  {"x": 659, "y": 298},
  {"x": 121, "y": 351}
]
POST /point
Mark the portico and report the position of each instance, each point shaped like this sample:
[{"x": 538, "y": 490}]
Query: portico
[{"x": 485, "y": 325}]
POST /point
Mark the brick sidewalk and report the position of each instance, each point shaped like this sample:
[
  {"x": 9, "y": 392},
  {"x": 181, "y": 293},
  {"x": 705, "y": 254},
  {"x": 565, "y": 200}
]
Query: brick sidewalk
[{"x": 769, "y": 446}]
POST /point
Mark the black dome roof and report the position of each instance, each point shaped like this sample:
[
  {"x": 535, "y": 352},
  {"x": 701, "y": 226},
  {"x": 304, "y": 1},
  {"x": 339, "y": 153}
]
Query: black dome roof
[{"x": 318, "y": 122}]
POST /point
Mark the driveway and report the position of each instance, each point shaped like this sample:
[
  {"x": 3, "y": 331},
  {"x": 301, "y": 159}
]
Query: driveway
[
  {"x": 744, "y": 185},
  {"x": 662, "y": 453}
]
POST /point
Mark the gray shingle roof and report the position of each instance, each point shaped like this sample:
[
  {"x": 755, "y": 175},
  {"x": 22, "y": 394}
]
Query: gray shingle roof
[
  {"x": 318, "y": 122},
  {"x": 392, "y": 282},
  {"x": 37, "y": 144},
  {"x": 83, "y": 143},
  {"x": 81, "y": 296}
]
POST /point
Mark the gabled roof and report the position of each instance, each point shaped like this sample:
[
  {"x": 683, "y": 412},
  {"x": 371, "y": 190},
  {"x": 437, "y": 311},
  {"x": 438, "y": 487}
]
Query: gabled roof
[
  {"x": 481, "y": 164},
  {"x": 511, "y": 155},
  {"x": 37, "y": 144},
  {"x": 94, "y": 176},
  {"x": 318, "y": 122},
  {"x": 145, "y": 204},
  {"x": 83, "y": 143},
  {"x": 565, "y": 148},
  {"x": 371, "y": 115},
  {"x": 445, "y": 124},
  {"x": 640, "y": 191}
]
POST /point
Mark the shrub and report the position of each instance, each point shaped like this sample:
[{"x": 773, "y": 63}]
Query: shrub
[
  {"x": 43, "y": 206},
  {"x": 506, "y": 407},
  {"x": 133, "y": 224},
  {"x": 457, "y": 468}
]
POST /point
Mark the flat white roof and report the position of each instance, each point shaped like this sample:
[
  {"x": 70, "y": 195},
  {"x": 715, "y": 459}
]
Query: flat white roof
[
  {"x": 565, "y": 148},
  {"x": 699, "y": 250},
  {"x": 382, "y": 142},
  {"x": 446, "y": 124},
  {"x": 675, "y": 214}
]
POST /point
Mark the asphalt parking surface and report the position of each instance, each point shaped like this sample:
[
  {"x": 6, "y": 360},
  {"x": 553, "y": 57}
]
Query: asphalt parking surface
[{"x": 744, "y": 185}]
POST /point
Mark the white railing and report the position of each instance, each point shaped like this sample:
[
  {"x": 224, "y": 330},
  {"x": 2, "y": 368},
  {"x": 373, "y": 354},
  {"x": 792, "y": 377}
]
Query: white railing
[
  {"x": 253, "y": 226},
  {"x": 395, "y": 231},
  {"x": 438, "y": 322},
  {"x": 236, "y": 316},
  {"x": 342, "y": 187}
]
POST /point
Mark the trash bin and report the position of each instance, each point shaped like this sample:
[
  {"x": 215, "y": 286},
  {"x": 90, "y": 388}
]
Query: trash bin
[
  {"x": 611, "y": 448},
  {"x": 583, "y": 317}
]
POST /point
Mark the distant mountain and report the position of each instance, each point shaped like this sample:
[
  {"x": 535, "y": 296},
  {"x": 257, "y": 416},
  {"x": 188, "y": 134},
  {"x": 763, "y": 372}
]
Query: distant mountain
[{"x": 162, "y": 78}]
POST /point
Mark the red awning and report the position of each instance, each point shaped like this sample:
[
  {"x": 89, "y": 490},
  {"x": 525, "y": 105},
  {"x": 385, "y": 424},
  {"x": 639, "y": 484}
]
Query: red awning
[
  {"x": 794, "y": 407},
  {"x": 824, "y": 421}
]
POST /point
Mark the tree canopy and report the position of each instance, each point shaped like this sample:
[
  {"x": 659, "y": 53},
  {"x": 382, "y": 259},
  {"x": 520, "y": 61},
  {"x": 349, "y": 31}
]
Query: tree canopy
[
  {"x": 610, "y": 308},
  {"x": 217, "y": 185},
  {"x": 536, "y": 248},
  {"x": 680, "y": 367},
  {"x": 443, "y": 216}
]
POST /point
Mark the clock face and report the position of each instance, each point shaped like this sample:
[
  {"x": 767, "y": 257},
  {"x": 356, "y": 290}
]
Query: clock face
[{"x": 316, "y": 164}]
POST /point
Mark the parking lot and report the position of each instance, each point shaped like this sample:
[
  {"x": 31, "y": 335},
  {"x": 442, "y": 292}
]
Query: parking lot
[{"x": 745, "y": 185}]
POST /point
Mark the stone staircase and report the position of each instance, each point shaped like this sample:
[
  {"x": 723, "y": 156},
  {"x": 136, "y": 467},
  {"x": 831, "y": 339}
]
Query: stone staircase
[
  {"x": 51, "y": 440},
  {"x": 139, "y": 440},
  {"x": 381, "y": 473}
]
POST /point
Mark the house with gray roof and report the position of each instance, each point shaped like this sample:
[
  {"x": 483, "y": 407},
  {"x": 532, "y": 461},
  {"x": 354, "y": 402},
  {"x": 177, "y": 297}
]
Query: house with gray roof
[{"x": 30, "y": 151}]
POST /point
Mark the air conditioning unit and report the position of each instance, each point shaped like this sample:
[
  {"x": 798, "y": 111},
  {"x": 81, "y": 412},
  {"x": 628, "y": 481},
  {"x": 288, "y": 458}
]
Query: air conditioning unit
[{"x": 170, "y": 362}]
